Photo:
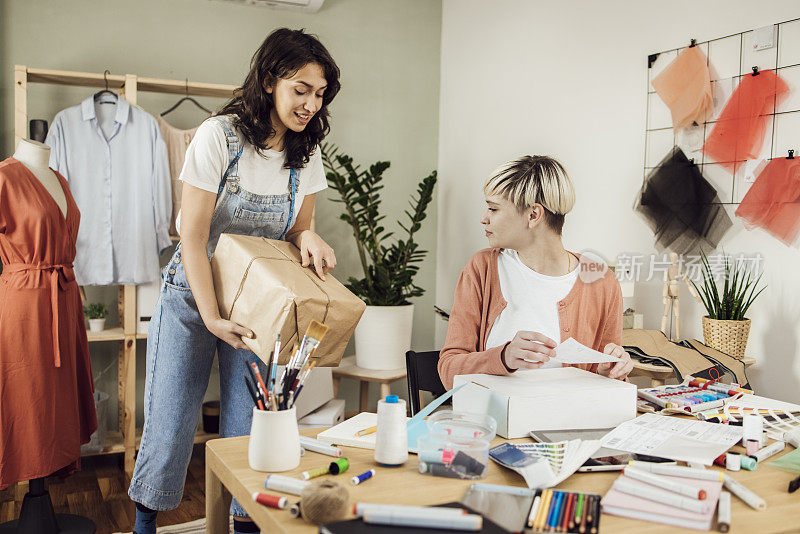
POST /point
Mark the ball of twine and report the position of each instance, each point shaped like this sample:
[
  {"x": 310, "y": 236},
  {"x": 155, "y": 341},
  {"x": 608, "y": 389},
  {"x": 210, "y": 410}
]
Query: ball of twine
[{"x": 324, "y": 501}]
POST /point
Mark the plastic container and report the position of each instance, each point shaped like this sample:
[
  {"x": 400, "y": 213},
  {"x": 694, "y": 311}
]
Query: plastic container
[{"x": 457, "y": 445}]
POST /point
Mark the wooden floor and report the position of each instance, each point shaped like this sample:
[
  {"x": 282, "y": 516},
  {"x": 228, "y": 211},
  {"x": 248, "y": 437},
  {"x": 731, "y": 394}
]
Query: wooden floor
[{"x": 99, "y": 492}]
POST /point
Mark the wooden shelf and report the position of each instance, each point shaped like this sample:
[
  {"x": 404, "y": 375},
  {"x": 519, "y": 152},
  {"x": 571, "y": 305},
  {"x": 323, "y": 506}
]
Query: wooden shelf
[
  {"x": 110, "y": 334},
  {"x": 115, "y": 445},
  {"x": 117, "y": 81}
]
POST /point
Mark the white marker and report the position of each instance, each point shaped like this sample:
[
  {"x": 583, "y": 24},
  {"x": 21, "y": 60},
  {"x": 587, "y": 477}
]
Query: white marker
[
  {"x": 792, "y": 438},
  {"x": 665, "y": 483},
  {"x": 446, "y": 521},
  {"x": 678, "y": 471},
  {"x": 285, "y": 484},
  {"x": 626, "y": 485},
  {"x": 359, "y": 509},
  {"x": 768, "y": 451},
  {"x": 724, "y": 512},
  {"x": 321, "y": 447},
  {"x": 751, "y": 499}
]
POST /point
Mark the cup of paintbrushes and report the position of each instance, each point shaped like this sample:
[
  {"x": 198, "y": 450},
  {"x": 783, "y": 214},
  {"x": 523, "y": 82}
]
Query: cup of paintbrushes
[{"x": 274, "y": 441}]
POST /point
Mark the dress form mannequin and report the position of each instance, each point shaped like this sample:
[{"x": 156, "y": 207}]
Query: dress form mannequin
[
  {"x": 36, "y": 157},
  {"x": 36, "y": 514}
]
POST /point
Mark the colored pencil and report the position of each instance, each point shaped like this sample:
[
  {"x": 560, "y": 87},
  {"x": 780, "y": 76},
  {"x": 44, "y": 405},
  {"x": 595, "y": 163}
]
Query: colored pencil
[
  {"x": 557, "y": 510},
  {"x": 586, "y": 502},
  {"x": 576, "y": 516},
  {"x": 549, "y": 521},
  {"x": 562, "y": 527},
  {"x": 538, "y": 523},
  {"x": 596, "y": 516}
]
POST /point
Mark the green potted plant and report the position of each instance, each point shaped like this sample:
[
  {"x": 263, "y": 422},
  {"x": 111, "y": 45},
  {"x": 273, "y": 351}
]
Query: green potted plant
[
  {"x": 725, "y": 327},
  {"x": 96, "y": 313},
  {"x": 389, "y": 263}
]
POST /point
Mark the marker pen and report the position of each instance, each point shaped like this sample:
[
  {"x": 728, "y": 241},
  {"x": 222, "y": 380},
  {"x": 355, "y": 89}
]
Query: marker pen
[
  {"x": 768, "y": 451},
  {"x": 677, "y": 471},
  {"x": 724, "y": 512},
  {"x": 321, "y": 447},
  {"x": 751, "y": 499},
  {"x": 360, "y": 508},
  {"x": 792, "y": 438},
  {"x": 448, "y": 521},
  {"x": 285, "y": 484},
  {"x": 626, "y": 485},
  {"x": 665, "y": 483}
]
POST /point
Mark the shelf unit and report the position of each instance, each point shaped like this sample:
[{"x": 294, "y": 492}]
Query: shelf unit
[{"x": 125, "y": 440}]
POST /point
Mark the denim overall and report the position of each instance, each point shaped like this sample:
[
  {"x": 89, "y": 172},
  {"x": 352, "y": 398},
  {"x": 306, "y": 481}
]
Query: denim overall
[{"x": 180, "y": 349}]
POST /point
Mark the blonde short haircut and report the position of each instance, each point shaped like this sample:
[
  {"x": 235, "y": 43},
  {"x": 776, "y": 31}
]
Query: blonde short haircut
[{"x": 533, "y": 180}]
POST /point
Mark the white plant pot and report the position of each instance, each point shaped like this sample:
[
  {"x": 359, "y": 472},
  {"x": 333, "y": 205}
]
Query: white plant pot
[
  {"x": 383, "y": 336},
  {"x": 274, "y": 441},
  {"x": 97, "y": 325}
]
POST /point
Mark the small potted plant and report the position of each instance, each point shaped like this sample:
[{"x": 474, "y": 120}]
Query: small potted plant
[
  {"x": 96, "y": 313},
  {"x": 726, "y": 327},
  {"x": 383, "y": 334}
]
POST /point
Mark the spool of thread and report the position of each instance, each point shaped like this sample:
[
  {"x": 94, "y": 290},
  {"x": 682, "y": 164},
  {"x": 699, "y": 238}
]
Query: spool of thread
[
  {"x": 295, "y": 510},
  {"x": 732, "y": 461},
  {"x": 273, "y": 501},
  {"x": 285, "y": 484},
  {"x": 391, "y": 439},
  {"x": 324, "y": 501},
  {"x": 339, "y": 466},
  {"x": 721, "y": 460},
  {"x": 748, "y": 463},
  {"x": 752, "y": 446},
  {"x": 752, "y": 428},
  {"x": 358, "y": 479},
  {"x": 314, "y": 473}
]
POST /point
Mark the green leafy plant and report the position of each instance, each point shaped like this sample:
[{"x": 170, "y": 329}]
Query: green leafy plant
[
  {"x": 389, "y": 265},
  {"x": 731, "y": 301},
  {"x": 95, "y": 310}
]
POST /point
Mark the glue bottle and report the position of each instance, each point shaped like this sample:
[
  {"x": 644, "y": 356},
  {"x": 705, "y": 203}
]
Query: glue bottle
[{"x": 391, "y": 439}]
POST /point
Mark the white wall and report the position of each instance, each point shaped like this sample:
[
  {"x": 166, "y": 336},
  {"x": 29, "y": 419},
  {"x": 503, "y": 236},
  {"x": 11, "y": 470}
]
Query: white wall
[{"x": 568, "y": 79}]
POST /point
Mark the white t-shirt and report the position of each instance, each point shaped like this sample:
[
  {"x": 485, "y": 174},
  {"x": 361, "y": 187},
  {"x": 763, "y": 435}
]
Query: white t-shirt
[
  {"x": 532, "y": 301},
  {"x": 207, "y": 158}
]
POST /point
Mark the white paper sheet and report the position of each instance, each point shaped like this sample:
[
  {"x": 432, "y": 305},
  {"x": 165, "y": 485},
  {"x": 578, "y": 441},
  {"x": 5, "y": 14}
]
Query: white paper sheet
[
  {"x": 685, "y": 440},
  {"x": 571, "y": 351}
]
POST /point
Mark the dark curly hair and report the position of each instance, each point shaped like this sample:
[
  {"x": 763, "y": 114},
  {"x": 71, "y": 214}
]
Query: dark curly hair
[{"x": 281, "y": 55}]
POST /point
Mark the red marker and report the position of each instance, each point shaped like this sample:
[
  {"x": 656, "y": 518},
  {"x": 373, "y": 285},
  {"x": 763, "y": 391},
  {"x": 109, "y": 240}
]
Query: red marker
[{"x": 273, "y": 501}]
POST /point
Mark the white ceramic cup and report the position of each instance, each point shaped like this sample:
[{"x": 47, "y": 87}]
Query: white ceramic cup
[{"x": 274, "y": 441}]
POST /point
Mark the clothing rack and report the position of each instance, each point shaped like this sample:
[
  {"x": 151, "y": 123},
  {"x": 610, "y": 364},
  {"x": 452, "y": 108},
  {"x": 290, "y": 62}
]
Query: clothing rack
[
  {"x": 128, "y": 85},
  {"x": 744, "y": 70}
]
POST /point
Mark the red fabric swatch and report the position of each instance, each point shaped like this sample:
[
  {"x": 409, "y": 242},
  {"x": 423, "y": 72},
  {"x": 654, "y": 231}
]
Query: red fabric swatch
[{"x": 773, "y": 201}]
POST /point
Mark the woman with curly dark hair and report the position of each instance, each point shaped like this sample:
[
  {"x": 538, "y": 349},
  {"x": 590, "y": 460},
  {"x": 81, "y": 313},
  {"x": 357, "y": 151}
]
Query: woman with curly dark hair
[{"x": 252, "y": 169}]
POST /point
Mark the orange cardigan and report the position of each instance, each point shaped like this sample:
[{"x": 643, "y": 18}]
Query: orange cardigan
[{"x": 591, "y": 313}]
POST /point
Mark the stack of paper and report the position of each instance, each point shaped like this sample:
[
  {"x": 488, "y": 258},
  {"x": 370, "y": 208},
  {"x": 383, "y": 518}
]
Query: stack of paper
[
  {"x": 622, "y": 504},
  {"x": 685, "y": 440},
  {"x": 544, "y": 465}
]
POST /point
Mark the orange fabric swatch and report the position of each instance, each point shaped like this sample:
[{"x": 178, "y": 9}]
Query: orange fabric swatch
[
  {"x": 739, "y": 132},
  {"x": 685, "y": 87},
  {"x": 773, "y": 201}
]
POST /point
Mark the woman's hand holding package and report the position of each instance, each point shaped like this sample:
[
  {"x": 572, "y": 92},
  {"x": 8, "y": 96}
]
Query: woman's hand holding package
[
  {"x": 620, "y": 369},
  {"x": 314, "y": 249},
  {"x": 229, "y": 332},
  {"x": 528, "y": 350}
]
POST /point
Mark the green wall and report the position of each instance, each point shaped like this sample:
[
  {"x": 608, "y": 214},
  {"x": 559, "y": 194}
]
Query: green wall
[{"x": 388, "y": 108}]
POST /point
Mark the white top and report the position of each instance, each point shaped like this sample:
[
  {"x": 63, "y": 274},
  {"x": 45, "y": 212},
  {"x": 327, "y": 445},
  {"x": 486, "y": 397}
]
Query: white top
[
  {"x": 207, "y": 159},
  {"x": 532, "y": 301}
]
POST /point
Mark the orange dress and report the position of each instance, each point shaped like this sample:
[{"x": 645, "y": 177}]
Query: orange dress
[{"x": 46, "y": 389}]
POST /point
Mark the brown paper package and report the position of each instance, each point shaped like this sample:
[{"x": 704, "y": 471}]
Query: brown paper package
[{"x": 261, "y": 285}]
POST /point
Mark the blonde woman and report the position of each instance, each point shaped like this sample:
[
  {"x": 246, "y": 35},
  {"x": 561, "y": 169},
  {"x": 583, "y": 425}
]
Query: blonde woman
[{"x": 516, "y": 300}]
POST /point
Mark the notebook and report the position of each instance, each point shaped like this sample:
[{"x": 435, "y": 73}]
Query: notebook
[
  {"x": 356, "y": 526},
  {"x": 626, "y": 505}
]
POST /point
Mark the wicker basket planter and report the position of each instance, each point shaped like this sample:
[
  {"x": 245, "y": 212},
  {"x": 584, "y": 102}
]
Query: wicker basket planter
[{"x": 729, "y": 337}]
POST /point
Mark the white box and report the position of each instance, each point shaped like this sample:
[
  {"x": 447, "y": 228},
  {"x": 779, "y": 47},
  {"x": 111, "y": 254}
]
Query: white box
[
  {"x": 329, "y": 414},
  {"x": 546, "y": 399},
  {"x": 146, "y": 298},
  {"x": 317, "y": 390}
]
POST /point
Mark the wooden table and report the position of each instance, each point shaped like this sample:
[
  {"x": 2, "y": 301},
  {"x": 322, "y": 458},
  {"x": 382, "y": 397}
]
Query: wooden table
[
  {"x": 659, "y": 374},
  {"x": 227, "y": 473},
  {"x": 348, "y": 369}
]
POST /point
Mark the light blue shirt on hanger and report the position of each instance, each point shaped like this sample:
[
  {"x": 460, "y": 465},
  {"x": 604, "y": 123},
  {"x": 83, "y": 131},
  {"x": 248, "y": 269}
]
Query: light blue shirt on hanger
[{"x": 115, "y": 161}]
